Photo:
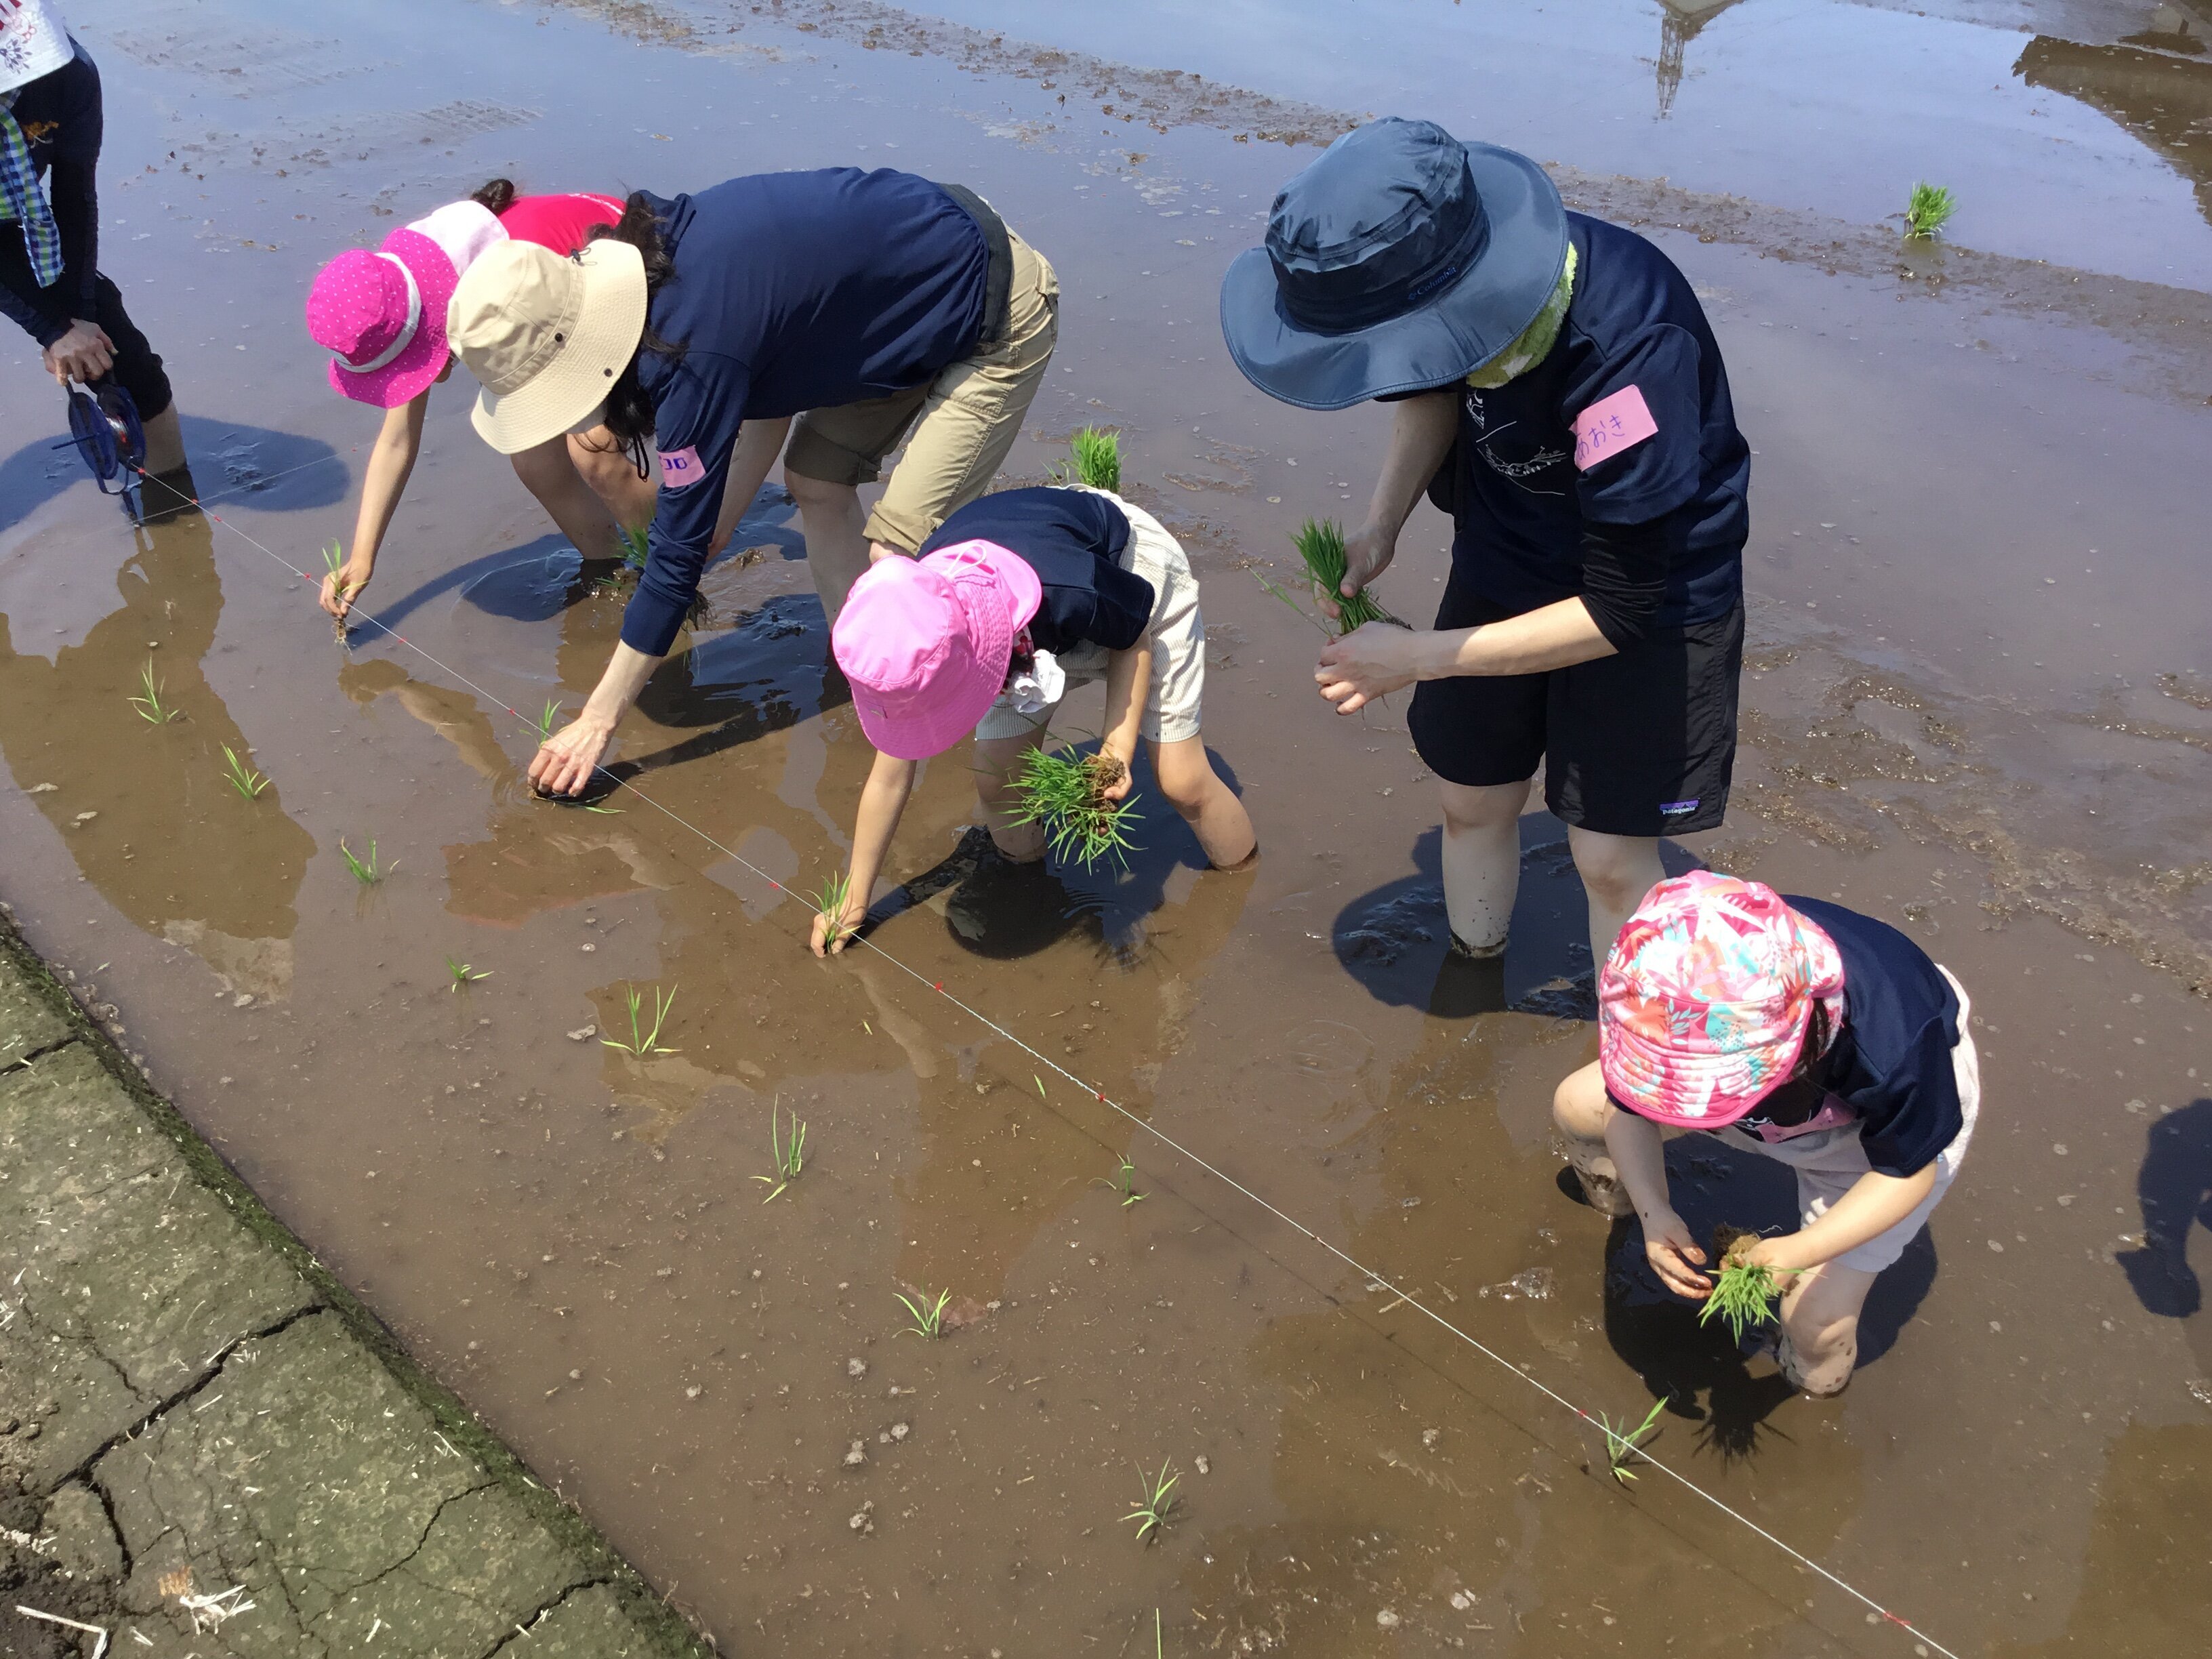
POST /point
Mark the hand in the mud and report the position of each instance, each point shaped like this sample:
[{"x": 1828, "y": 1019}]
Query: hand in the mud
[
  {"x": 85, "y": 353},
  {"x": 1367, "y": 663},
  {"x": 340, "y": 589},
  {"x": 1367, "y": 554},
  {"x": 1674, "y": 1256},
  {"x": 564, "y": 762},
  {"x": 847, "y": 921}
]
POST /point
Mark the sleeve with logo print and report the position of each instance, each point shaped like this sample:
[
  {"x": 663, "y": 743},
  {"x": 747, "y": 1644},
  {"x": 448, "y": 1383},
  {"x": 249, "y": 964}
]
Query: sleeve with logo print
[{"x": 699, "y": 407}]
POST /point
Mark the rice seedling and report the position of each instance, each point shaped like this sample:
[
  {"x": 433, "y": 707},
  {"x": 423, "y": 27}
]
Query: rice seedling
[
  {"x": 1321, "y": 545},
  {"x": 241, "y": 777},
  {"x": 1155, "y": 1499},
  {"x": 1128, "y": 1173},
  {"x": 1928, "y": 211},
  {"x": 334, "y": 561},
  {"x": 831, "y": 902},
  {"x": 1621, "y": 1443},
  {"x": 643, "y": 1042},
  {"x": 633, "y": 547},
  {"x": 1063, "y": 793},
  {"x": 367, "y": 871},
  {"x": 1743, "y": 1295},
  {"x": 149, "y": 703},
  {"x": 546, "y": 721},
  {"x": 928, "y": 1316},
  {"x": 1160, "y": 1646},
  {"x": 790, "y": 1155},
  {"x": 1095, "y": 459},
  {"x": 463, "y": 974}
]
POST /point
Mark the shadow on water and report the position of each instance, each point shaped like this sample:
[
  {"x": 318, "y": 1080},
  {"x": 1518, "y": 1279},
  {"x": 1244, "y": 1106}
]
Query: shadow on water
[
  {"x": 2174, "y": 1188},
  {"x": 271, "y": 471},
  {"x": 1659, "y": 1334}
]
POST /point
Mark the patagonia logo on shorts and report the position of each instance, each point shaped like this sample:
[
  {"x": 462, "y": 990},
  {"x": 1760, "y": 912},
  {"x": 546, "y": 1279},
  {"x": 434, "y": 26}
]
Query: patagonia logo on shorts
[
  {"x": 1611, "y": 425},
  {"x": 1674, "y": 808},
  {"x": 680, "y": 468}
]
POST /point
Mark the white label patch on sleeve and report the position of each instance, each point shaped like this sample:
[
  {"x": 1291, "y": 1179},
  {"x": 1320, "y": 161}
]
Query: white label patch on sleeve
[
  {"x": 1611, "y": 425},
  {"x": 680, "y": 468}
]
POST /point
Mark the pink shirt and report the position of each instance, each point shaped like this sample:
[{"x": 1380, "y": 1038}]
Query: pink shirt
[{"x": 558, "y": 222}]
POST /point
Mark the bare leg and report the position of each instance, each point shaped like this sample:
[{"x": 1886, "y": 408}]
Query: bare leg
[
  {"x": 576, "y": 509},
  {"x": 610, "y": 476},
  {"x": 1482, "y": 861},
  {"x": 165, "y": 442},
  {"x": 1193, "y": 788},
  {"x": 1617, "y": 871},
  {"x": 837, "y": 536},
  {"x": 1578, "y": 1111},
  {"x": 1821, "y": 1328},
  {"x": 995, "y": 760}
]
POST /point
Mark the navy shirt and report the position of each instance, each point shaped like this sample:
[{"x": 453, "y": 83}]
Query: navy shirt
[
  {"x": 1073, "y": 539},
  {"x": 791, "y": 291},
  {"x": 1891, "y": 1063},
  {"x": 1634, "y": 333},
  {"x": 61, "y": 118}
]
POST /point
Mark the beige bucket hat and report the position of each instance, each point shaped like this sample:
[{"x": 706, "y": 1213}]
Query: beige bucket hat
[{"x": 545, "y": 335}]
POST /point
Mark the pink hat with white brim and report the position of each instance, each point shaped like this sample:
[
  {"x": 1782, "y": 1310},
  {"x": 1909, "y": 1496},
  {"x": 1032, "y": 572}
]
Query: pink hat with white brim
[
  {"x": 1705, "y": 998},
  {"x": 925, "y": 643},
  {"x": 382, "y": 315}
]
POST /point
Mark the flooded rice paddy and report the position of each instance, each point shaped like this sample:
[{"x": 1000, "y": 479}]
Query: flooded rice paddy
[{"x": 1978, "y": 703}]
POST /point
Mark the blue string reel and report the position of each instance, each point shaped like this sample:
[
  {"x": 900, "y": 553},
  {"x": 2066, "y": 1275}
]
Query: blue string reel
[{"x": 105, "y": 430}]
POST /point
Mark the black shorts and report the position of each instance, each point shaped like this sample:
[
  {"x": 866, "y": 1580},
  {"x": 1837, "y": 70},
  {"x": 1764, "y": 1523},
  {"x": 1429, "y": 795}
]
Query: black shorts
[
  {"x": 137, "y": 367},
  {"x": 1641, "y": 742}
]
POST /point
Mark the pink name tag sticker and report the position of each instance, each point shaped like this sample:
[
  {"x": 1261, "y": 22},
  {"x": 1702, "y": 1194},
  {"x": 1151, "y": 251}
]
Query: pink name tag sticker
[
  {"x": 1611, "y": 425},
  {"x": 680, "y": 468}
]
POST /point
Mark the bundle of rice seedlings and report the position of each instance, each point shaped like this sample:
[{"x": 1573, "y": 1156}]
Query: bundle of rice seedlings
[
  {"x": 1928, "y": 211},
  {"x": 1743, "y": 1295},
  {"x": 1321, "y": 545},
  {"x": 1097, "y": 453},
  {"x": 1062, "y": 793},
  {"x": 334, "y": 561}
]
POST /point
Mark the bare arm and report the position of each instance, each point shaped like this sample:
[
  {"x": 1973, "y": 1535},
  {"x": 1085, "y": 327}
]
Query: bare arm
[
  {"x": 1421, "y": 430},
  {"x": 1371, "y": 662},
  {"x": 1876, "y": 1203},
  {"x": 1129, "y": 677},
  {"x": 1639, "y": 1158},
  {"x": 391, "y": 460},
  {"x": 883, "y": 799},
  {"x": 564, "y": 764}
]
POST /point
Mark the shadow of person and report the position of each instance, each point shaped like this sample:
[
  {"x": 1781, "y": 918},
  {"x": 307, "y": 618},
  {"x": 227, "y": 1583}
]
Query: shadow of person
[
  {"x": 2174, "y": 1188},
  {"x": 271, "y": 471}
]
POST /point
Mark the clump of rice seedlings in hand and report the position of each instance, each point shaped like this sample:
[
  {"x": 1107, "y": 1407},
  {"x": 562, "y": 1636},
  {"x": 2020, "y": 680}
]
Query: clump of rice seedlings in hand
[
  {"x": 1128, "y": 1173},
  {"x": 1064, "y": 794},
  {"x": 1155, "y": 1499},
  {"x": 928, "y": 1316},
  {"x": 149, "y": 703},
  {"x": 334, "y": 561},
  {"x": 367, "y": 871},
  {"x": 547, "y": 720},
  {"x": 241, "y": 777},
  {"x": 1321, "y": 545},
  {"x": 1928, "y": 211},
  {"x": 463, "y": 974},
  {"x": 1621, "y": 1444},
  {"x": 1743, "y": 1294},
  {"x": 643, "y": 1042},
  {"x": 1096, "y": 454},
  {"x": 831, "y": 902},
  {"x": 790, "y": 1155}
]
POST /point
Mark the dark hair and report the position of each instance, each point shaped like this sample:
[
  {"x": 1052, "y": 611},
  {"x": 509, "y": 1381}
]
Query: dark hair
[
  {"x": 1798, "y": 1096},
  {"x": 497, "y": 195},
  {"x": 629, "y": 415}
]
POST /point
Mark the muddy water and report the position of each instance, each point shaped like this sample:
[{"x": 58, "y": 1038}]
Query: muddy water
[{"x": 1978, "y": 703}]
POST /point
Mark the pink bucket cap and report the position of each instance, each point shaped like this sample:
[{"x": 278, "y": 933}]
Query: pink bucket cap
[
  {"x": 925, "y": 643},
  {"x": 382, "y": 315},
  {"x": 1705, "y": 997}
]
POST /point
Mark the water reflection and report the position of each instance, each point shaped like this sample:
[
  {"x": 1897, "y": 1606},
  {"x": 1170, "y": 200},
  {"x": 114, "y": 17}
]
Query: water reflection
[
  {"x": 1680, "y": 23},
  {"x": 2158, "y": 86}
]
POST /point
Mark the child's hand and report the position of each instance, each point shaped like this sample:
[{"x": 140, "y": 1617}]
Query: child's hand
[
  {"x": 1674, "y": 1256},
  {"x": 846, "y": 922},
  {"x": 1119, "y": 789},
  {"x": 340, "y": 589}
]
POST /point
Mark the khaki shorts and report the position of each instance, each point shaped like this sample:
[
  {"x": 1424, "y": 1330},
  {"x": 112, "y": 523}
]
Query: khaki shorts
[
  {"x": 964, "y": 422},
  {"x": 1176, "y": 631},
  {"x": 1829, "y": 1161}
]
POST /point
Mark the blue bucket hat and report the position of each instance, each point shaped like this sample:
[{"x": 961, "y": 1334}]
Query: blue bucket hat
[{"x": 1401, "y": 259}]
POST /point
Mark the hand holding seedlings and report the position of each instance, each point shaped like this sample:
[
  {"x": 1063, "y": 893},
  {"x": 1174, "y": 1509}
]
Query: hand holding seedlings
[
  {"x": 836, "y": 917},
  {"x": 548, "y": 718},
  {"x": 1369, "y": 663},
  {"x": 1745, "y": 1292},
  {"x": 339, "y": 589},
  {"x": 1339, "y": 580},
  {"x": 1081, "y": 803}
]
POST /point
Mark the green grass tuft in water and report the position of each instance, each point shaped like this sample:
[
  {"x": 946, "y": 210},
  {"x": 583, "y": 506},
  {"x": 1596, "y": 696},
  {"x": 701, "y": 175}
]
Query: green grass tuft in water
[{"x": 1928, "y": 211}]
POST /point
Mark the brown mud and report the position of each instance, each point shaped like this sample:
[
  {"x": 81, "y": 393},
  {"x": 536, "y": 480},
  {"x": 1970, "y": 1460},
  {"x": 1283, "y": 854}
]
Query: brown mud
[{"x": 1975, "y": 706}]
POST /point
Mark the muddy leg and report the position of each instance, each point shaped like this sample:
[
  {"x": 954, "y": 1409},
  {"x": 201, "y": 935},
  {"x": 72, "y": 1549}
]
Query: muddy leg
[
  {"x": 995, "y": 760},
  {"x": 1617, "y": 871},
  {"x": 1579, "y": 1109},
  {"x": 601, "y": 464},
  {"x": 1193, "y": 788},
  {"x": 1482, "y": 862},
  {"x": 1819, "y": 1340},
  {"x": 165, "y": 442}
]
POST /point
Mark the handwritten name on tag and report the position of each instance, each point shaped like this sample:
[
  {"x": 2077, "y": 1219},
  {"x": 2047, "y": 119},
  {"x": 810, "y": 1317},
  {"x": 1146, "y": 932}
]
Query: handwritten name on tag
[
  {"x": 1611, "y": 425},
  {"x": 680, "y": 468}
]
